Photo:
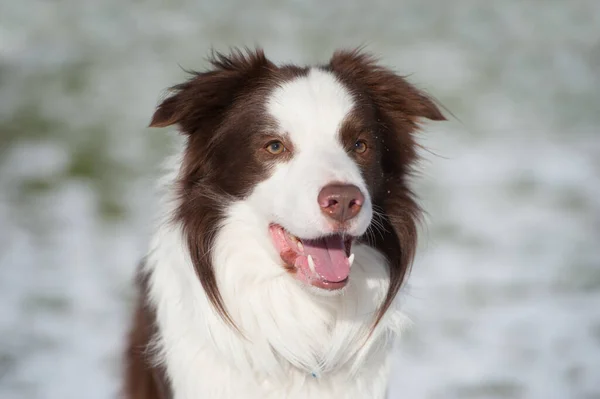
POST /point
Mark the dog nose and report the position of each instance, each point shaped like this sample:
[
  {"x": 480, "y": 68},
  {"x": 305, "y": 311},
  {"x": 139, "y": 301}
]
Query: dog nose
[{"x": 341, "y": 202}]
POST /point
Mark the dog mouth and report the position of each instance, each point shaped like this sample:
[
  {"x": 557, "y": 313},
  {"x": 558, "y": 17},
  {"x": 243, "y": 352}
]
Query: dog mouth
[{"x": 323, "y": 262}]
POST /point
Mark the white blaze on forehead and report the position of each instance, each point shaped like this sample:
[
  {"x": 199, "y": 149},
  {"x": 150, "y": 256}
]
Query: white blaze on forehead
[
  {"x": 311, "y": 106},
  {"x": 310, "y": 110}
]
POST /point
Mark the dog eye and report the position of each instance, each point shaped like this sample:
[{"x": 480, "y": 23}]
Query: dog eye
[
  {"x": 275, "y": 147},
  {"x": 360, "y": 146}
]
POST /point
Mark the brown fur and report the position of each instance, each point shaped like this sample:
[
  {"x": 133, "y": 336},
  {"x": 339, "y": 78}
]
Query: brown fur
[{"x": 143, "y": 379}]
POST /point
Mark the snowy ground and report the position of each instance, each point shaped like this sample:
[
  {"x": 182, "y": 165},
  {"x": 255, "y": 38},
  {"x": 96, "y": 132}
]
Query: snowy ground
[{"x": 505, "y": 293}]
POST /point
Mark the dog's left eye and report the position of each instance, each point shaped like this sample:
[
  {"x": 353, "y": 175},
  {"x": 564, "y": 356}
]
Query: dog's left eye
[
  {"x": 360, "y": 146},
  {"x": 275, "y": 147}
]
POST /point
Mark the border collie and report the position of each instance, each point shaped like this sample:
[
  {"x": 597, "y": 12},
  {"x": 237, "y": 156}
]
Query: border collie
[{"x": 287, "y": 230}]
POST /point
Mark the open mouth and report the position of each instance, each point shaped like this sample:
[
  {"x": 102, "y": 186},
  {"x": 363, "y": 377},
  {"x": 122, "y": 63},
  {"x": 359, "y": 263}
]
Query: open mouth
[{"x": 322, "y": 262}]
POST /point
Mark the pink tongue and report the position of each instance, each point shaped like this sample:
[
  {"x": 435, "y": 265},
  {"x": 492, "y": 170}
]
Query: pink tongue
[{"x": 329, "y": 255}]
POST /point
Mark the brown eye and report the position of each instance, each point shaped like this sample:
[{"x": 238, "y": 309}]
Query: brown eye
[
  {"x": 360, "y": 146},
  {"x": 275, "y": 147}
]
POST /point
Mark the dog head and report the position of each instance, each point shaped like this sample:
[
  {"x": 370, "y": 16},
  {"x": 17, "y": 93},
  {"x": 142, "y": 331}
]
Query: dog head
[{"x": 317, "y": 156}]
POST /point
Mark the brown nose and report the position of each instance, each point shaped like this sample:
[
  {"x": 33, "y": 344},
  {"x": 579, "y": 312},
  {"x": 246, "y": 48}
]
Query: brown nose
[{"x": 340, "y": 202}]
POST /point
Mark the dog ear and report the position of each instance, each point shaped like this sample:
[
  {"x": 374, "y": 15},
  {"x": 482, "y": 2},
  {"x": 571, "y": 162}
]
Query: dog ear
[
  {"x": 390, "y": 92},
  {"x": 206, "y": 96},
  {"x": 168, "y": 112}
]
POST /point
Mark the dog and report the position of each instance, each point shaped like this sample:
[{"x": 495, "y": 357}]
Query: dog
[{"x": 287, "y": 229}]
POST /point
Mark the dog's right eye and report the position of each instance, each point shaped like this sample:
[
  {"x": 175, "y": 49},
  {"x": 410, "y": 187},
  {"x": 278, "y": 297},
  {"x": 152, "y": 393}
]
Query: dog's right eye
[{"x": 275, "y": 147}]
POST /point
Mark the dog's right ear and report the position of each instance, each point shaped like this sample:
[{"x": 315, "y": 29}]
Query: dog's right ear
[
  {"x": 167, "y": 113},
  {"x": 204, "y": 99}
]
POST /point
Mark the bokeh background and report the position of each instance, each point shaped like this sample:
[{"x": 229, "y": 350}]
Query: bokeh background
[{"x": 505, "y": 293}]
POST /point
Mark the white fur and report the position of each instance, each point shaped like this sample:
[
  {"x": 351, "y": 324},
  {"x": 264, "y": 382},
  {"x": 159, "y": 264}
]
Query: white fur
[
  {"x": 310, "y": 110},
  {"x": 289, "y": 333}
]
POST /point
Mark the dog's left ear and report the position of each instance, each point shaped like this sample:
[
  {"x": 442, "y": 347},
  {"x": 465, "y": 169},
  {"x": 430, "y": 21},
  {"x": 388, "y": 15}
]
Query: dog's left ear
[{"x": 390, "y": 92}]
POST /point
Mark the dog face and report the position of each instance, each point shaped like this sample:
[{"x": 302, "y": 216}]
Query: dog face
[{"x": 318, "y": 156}]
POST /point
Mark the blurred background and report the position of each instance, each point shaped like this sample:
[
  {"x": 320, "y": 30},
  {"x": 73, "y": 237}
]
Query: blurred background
[{"x": 505, "y": 292}]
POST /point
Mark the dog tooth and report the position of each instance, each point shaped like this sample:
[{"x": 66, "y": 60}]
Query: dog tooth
[
  {"x": 300, "y": 246},
  {"x": 351, "y": 259},
  {"x": 311, "y": 264}
]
